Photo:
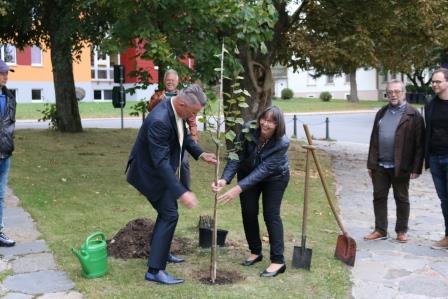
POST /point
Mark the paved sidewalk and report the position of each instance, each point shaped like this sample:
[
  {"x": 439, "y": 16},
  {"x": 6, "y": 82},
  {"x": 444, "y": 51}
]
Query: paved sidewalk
[
  {"x": 28, "y": 270},
  {"x": 387, "y": 269}
]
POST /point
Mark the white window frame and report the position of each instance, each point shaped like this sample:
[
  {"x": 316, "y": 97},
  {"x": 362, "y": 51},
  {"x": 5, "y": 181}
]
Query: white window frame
[
  {"x": 102, "y": 65},
  {"x": 41, "y": 56},
  {"x": 14, "y": 51},
  {"x": 330, "y": 79},
  {"x": 102, "y": 96},
  {"x": 41, "y": 95}
]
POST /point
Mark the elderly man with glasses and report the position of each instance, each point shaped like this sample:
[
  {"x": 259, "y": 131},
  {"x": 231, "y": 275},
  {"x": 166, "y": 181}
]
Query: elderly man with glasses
[{"x": 395, "y": 156}]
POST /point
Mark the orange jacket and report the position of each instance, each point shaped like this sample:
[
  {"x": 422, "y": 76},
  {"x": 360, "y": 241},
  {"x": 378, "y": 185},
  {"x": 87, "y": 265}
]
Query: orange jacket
[{"x": 159, "y": 96}]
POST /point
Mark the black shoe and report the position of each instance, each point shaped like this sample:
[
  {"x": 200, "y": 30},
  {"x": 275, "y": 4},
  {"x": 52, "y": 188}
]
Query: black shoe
[
  {"x": 162, "y": 277},
  {"x": 251, "y": 262},
  {"x": 174, "y": 259},
  {"x": 5, "y": 241},
  {"x": 265, "y": 273}
]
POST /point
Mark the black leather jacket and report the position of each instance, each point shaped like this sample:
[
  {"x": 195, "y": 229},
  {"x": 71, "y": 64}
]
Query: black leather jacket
[
  {"x": 7, "y": 125},
  {"x": 259, "y": 165}
]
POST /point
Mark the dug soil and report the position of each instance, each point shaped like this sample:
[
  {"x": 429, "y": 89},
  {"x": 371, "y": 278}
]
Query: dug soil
[
  {"x": 222, "y": 277},
  {"x": 132, "y": 241}
]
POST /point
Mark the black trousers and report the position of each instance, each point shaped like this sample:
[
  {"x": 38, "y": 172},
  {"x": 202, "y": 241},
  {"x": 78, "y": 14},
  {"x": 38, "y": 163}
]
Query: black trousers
[
  {"x": 272, "y": 195},
  {"x": 163, "y": 232},
  {"x": 382, "y": 180}
]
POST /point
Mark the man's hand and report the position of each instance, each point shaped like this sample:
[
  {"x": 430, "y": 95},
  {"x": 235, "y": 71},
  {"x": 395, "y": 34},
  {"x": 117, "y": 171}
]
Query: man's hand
[
  {"x": 216, "y": 187},
  {"x": 189, "y": 200},
  {"x": 414, "y": 175},
  {"x": 230, "y": 195},
  {"x": 210, "y": 158}
]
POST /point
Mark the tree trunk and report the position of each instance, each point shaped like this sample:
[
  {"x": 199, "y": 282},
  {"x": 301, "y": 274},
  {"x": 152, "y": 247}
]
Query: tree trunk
[
  {"x": 257, "y": 81},
  {"x": 353, "y": 88},
  {"x": 67, "y": 109}
]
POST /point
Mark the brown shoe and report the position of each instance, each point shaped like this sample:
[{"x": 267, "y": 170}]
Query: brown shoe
[
  {"x": 376, "y": 235},
  {"x": 442, "y": 244},
  {"x": 402, "y": 237}
]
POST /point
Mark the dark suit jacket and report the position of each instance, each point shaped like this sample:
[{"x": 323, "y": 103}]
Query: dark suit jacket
[{"x": 154, "y": 158}]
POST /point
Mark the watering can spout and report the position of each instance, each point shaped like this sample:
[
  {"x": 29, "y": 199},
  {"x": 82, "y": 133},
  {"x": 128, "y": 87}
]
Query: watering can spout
[{"x": 82, "y": 256}]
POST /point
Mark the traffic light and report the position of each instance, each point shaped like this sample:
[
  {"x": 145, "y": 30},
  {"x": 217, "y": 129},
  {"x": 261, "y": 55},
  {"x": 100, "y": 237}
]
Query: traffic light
[
  {"x": 119, "y": 73},
  {"x": 118, "y": 97}
]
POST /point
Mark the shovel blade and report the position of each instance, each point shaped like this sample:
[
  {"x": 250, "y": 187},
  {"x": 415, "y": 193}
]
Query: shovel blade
[
  {"x": 345, "y": 250},
  {"x": 301, "y": 257}
]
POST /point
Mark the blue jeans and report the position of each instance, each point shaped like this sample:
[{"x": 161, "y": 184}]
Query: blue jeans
[
  {"x": 439, "y": 170},
  {"x": 4, "y": 170}
]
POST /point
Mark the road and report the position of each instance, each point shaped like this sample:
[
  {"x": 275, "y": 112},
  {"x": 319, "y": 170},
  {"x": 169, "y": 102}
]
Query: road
[{"x": 347, "y": 127}]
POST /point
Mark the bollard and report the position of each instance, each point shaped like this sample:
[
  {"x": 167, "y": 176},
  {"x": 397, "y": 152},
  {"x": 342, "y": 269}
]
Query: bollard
[
  {"x": 294, "y": 135},
  {"x": 205, "y": 121},
  {"x": 327, "y": 128}
]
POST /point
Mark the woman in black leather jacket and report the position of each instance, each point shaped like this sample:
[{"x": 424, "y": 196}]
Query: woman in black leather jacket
[{"x": 262, "y": 169}]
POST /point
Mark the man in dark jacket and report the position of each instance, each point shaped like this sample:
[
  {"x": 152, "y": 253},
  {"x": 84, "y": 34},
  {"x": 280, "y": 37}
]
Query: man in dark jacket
[
  {"x": 7, "y": 125},
  {"x": 154, "y": 165},
  {"x": 395, "y": 156}
]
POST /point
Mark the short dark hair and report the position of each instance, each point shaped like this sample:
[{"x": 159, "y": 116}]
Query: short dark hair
[
  {"x": 442, "y": 70},
  {"x": 278, "y": 117},
  {"x": 193, "y": 94}
]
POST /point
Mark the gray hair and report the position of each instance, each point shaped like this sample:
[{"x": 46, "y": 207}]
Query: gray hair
[
  {"x": 396, "y": 81},
  {"x": 442, "y": 70},
  {"x": 168, "y": 72},
  {"x": 193, "y": 94}
]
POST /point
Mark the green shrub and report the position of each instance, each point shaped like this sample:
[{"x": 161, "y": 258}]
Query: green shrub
[
  {"x": 287, "y": 94},
  {"x": 50, "y": 113},
  {"x": 325, "y": 96}
]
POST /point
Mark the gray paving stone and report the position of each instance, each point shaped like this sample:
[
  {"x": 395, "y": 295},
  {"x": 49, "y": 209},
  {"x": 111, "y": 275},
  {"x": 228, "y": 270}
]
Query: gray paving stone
[
  {"x": 60, "y": 295},
  {"x": 396, "y": 273},
  {"x": 441, "y": 267},
  {"x": 17, "y": 296},
  {"x": 420, "y": 250},
  {"x": 19, "y": 225},
  {"x": 34, "y": 262},
  {"x": 370, "y": 290},
  {"x": 24, "y": 248},
  {"x": 39, "y": 282},
  {"x": 423, "y": 285}
]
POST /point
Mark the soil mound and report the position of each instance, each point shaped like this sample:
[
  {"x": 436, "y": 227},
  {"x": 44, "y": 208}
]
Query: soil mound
[
  {"x": 132, "y": 241},
  {"x": 222, "y": 277}
]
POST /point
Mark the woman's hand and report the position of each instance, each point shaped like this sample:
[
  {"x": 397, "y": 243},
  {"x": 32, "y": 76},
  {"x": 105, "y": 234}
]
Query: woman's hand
[
  {"x": 230, "y": 195},
  {"x": 217, "y": 186}
]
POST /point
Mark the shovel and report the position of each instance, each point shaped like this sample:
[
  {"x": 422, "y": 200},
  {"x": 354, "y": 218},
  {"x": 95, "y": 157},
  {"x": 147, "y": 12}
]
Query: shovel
[
  {"x": 345, "y": 245},
  {"x": 301, "y": 257}
]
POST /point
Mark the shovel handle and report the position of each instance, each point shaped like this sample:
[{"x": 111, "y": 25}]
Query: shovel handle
[
  {"x": 322, "y": 179},
  {"x": 305, "y": 196}
]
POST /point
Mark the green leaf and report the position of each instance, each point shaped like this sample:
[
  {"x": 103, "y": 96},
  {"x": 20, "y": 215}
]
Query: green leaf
[
  {"x": 233, "y": 156},
  {"x": 243, "y": 105},
  {"x": 263, "y": 48},
  {"x": 230, "y": 135}
]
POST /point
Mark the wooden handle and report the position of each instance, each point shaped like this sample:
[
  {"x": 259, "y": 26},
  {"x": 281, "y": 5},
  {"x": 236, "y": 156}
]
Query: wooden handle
[
  {"x": 322, "y": 179},
  {"x": 305, "y": 195}
]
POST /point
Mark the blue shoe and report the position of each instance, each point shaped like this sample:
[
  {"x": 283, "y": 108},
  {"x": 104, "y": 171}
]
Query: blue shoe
[
  {"x": 174, "y": 259},
  {"x": 162, "y": 277}
]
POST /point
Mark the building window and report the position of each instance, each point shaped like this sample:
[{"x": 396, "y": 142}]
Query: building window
[
  {"x": 393, "y": 76},
  {"x": 97, "y": 94},
  {"x": 330, "y": 79},
  {"x": 36, "y": 55},
  {"x": 36, "y": 94},
  {"x": 8, "y": 54},
  {"x": 101, "y": 95},
  {"x": 102, "y": 65},
  {"x": 107, "y": 94}
]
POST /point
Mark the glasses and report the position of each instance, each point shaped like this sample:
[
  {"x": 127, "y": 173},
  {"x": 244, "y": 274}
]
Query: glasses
[
  {"x": 437, "y": 82},
  {"x": 395, "y": 91},
  {"x": 269, "y": 123}
]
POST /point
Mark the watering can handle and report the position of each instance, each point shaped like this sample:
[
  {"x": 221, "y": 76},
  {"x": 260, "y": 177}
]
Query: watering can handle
[{"x": 94, "y": 236}]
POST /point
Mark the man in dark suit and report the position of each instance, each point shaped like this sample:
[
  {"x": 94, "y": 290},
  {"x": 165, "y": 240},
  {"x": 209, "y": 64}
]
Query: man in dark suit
[{"x": 154, "y": 165}]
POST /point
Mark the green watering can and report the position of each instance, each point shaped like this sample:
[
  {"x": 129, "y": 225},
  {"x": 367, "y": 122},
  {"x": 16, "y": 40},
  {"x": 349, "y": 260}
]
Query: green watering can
[{"x": 93, "y": 255}]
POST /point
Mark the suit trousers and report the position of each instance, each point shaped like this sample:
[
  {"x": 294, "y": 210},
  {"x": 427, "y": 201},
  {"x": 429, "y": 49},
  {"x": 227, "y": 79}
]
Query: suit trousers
[
  {"x": 272, "y": 195},
  {"x": 382, "y": 180},
  {"x": 163, "y": 232}
]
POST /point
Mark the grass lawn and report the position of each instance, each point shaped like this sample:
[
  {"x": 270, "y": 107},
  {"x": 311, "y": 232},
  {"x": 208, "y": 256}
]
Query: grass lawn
[
  {"x": 73, "y": 185},
  {"x": 105, "y": 109}
]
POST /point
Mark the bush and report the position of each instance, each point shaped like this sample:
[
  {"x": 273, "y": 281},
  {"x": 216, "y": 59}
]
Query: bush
[
  {"x": 287, "y": 94},
  {"x": 50, "y": 114},
  {"x": 325, "y": 96}
]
